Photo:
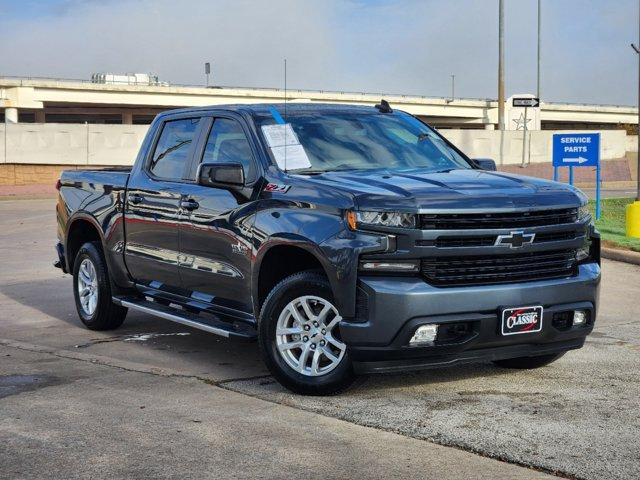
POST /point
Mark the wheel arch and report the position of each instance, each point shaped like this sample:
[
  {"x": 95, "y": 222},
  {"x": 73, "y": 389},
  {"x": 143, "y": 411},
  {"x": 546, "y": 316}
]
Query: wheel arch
[
  {"x": 280, "y": 259},
  {"x": 81, "y": 229}
]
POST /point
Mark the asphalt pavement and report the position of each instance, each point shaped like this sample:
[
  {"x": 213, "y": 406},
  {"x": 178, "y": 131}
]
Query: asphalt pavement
[{"x": 159, "y": 400}]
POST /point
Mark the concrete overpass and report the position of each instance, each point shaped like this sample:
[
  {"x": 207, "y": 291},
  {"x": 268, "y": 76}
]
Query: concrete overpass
[{"x": 40, "y": 100}]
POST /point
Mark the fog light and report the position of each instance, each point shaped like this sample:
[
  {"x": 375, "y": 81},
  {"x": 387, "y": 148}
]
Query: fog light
[
  {"x": 424, "y": 334},
  {"x": 579, "y": 317}
]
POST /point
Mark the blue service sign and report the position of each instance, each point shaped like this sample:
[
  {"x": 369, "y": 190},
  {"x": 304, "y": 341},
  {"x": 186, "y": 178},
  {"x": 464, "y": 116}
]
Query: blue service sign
[{"x": 576, "y": 149}]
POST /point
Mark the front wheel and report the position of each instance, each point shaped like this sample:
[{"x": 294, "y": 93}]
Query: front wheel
[
  {"x": 92, "y": 290},
  {"x": 526, "y": 363},
  {"x": 299, "y": 336}
]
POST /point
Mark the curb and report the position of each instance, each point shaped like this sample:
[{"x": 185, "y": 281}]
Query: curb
[{"x": 626, "y": 256}]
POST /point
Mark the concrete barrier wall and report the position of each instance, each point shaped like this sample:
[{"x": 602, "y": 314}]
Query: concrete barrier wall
[
  {"x": 506, "y": 147},
  {"x": 2, "y": 144},
  {"x": 86, "y": 145},
  {"x": 70, "y": 144}
]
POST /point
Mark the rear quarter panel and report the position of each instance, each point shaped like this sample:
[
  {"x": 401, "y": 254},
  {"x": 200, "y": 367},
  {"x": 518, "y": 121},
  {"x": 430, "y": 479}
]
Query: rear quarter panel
[{"x": 96, "y": 197}]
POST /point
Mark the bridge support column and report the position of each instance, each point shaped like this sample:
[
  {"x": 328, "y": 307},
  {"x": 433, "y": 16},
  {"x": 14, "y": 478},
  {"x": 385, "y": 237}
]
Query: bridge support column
[{"x": 11, "y": 115}]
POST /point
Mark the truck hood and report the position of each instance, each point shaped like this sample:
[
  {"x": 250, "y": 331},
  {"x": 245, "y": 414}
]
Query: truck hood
[{"x": 463, "y": 189}]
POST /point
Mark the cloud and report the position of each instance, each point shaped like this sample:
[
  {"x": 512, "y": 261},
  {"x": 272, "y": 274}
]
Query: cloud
[{"x": 407, "y": 47}]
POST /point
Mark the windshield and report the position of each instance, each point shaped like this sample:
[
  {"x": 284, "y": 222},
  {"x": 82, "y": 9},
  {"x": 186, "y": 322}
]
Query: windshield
[{"x": 335, "y": 141}]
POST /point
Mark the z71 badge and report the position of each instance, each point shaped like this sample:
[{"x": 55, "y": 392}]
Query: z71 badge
[{"x": 274, "y": 187}]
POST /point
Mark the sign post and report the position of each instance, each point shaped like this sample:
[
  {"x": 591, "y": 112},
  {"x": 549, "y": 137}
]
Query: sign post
[
  {"x": 525, "y": 102},
  {"x": 577, "y": 150}
]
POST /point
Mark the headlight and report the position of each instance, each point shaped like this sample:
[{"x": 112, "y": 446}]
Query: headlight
[
  {"x": 583, "y": 213},
  {"x": 584, "y": 252},
  {"x": 386, "y": 219}
]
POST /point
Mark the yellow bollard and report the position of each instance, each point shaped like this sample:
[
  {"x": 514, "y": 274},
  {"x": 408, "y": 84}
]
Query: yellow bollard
[{"x": 633, "y": 219}]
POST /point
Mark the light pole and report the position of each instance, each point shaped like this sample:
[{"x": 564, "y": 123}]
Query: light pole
[
  {"x": 207, "y": 71},
  {"x": 453, "y": 87},
  {"x": 453, "y": 90},
  {"x": 501, "y": 65},
  {"x": 637, "y": 50},
  {"x": 633, "y": 210},
  {"x": 539, "y": 28}
]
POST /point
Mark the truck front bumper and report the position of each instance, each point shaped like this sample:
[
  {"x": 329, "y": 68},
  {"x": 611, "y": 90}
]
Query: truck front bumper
[{"x": 391, "y": 309}]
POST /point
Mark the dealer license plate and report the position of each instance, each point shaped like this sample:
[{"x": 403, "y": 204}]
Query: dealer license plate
[{"x": 521, "y": 320}]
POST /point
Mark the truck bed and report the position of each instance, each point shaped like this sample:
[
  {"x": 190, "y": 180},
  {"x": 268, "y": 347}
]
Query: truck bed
[{"x": 100, "y": 180}]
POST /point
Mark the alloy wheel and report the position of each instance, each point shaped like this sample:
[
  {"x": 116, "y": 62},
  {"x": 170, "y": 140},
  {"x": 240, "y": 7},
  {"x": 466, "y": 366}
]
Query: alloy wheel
[{"x": 307, "y": 336}]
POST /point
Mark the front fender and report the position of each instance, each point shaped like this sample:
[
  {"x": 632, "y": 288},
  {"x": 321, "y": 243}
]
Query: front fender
[{"x": 325, "y": 236}]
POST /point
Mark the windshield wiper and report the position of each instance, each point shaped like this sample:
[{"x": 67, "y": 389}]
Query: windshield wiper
[
  {"x": 320, "y": 172},
  {"x": 307, "y": 172}
]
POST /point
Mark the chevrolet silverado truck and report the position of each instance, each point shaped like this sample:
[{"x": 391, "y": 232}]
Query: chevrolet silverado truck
[{"x": 345, "y": 239}]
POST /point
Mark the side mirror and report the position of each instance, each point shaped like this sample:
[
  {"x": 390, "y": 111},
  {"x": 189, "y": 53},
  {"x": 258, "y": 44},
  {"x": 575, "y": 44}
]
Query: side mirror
[
  {"x": 486, "y": 164},
  {"x": 224, "y": 175}
]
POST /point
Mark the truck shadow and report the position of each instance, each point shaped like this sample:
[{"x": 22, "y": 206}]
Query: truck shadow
[
  {"x": 433, "y": 376},
  {"x": 142, "y": 338},
  {"x": 175, "y": 343}
]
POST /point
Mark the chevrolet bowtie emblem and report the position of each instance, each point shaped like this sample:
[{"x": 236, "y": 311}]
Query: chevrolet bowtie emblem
[{"x": 515, "y": 239}]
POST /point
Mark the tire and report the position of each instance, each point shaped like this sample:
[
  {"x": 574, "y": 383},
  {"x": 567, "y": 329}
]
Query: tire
[
  {"x": 100, "y": 313},
  {"x": 527, "y": 363},
  {"x": 307, "y": 376}
]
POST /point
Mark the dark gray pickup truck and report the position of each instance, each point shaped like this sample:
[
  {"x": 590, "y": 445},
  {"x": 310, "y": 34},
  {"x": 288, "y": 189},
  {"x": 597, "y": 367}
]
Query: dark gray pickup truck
[{"x": 345, "y": 239}]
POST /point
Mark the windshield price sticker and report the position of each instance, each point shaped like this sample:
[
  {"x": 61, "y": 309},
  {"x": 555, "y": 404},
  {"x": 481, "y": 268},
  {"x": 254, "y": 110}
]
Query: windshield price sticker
[
  {"x": 285, "y": 146},
  {"x": 291, "y": 157},
  {"x": 280, "y": 134}
]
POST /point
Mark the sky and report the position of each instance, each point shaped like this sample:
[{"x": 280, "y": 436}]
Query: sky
[{"x": 407, "y": 47}]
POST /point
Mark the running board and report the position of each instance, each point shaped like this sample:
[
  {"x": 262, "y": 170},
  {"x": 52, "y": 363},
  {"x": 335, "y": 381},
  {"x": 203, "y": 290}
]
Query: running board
[{"x": 210, "y": 324}]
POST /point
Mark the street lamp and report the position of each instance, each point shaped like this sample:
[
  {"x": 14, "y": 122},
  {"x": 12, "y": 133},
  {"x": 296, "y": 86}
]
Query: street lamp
[
  {"x": 501, "y": 65},
  {"x": 539, "y": 27},
  {"x": 633, "y": 210},
  {"x": 207, "y": 71},
  {"x": 453, "y": 89},
  {"x": 637, "y": 50}
]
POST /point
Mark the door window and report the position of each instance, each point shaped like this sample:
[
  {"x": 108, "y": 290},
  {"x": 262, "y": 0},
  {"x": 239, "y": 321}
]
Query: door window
[
  {"x": 173, "y": 149},
  {"x": 227, "y": 143}
]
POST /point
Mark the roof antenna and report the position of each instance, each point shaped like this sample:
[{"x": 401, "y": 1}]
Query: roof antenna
[
  {"x": 285, "y": 90},
  {"x": 384, "y": 106},
  {"x": 285, "y": 114}
]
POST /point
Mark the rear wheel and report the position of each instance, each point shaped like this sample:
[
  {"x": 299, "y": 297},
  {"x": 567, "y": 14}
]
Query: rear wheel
[
  {"x": 92, "y": 290},
  {"x": 299, "y": 336},
  {"x": 525, "y": 363}
]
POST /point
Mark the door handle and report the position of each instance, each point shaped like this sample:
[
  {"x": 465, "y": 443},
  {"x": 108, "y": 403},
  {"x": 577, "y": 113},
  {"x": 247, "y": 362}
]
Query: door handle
[
  {"x": 136, "y": 199},
  {"x": 189, "y": 204}
]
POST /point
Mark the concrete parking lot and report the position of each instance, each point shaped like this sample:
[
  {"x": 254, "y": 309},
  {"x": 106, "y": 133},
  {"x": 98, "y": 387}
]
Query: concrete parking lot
[{"x": 156, "y": 399}]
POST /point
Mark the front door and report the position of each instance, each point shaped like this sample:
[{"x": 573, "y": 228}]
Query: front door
[
  {"x": 215, "y": 242},
  {"x": 153, "y": 208}
]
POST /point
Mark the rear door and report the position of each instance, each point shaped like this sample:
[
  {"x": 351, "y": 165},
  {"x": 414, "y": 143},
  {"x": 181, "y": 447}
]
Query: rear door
[
  {"x": 153, "y": 208},
  {"x": 215, "y": 241}
]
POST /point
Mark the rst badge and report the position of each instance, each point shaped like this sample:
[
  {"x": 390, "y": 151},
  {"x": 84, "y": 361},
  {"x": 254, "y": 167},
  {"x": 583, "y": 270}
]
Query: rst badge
[{"x": 521, "y": 320}]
